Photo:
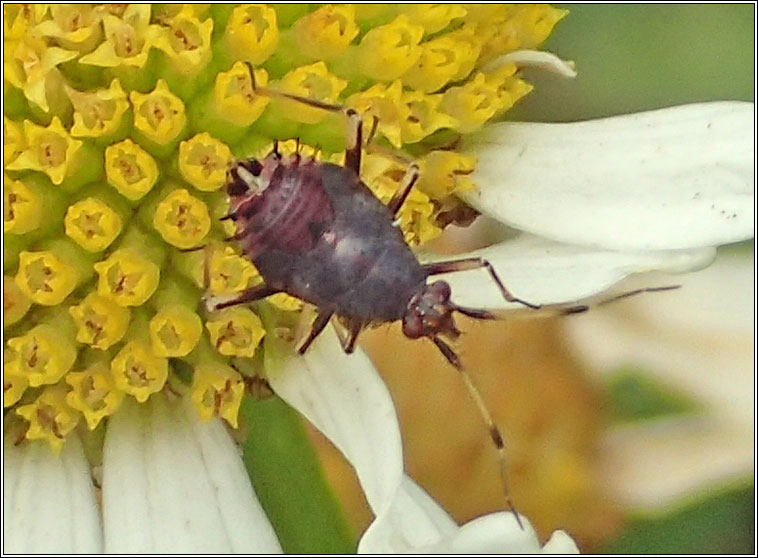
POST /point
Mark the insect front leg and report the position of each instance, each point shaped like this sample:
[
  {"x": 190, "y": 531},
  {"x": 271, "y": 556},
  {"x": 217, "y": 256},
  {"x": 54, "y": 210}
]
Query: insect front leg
[
  {"x": 217, "y": 302},
  {"x": 349, "y": 336},
  {"x": 354, "y": 140},
  {"x": 322, "y": 319},
  {"x": 476, "y": 263},
  {"x": 410, "y": 178}
]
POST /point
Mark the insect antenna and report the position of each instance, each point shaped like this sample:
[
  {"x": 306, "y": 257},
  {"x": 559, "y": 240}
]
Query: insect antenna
[{"x": 489, "y": 422}]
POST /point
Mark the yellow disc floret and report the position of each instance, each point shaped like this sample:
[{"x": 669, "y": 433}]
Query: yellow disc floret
[
  {"x": 94, "y": 393},
  {"x": 100, "y": 322},
  {"x": 92, "y": 224},
  {"x": 203, "y": 162},
  {"x": 45, "y": 278},
  {"x": 235, "y": 331},
  {"x": 49, "y": 149},
  {"x": 182, "y": 219},
  {"x": 98, "y": 113},
  {"x": 15, "y": 303},
  {"x": 252, "y": 33},
  {"x": 22, "y": 206},
  {"x": 42, "y": 355},
  {"x": 138, "y": 371},
  {"x": 388, "y": 51},
  {"x": 49, "y": 417},
  {"x": 159, "y": 115},
  {"x": 130, "y": 169},
  {"x": 217, "y": 392},
  {"x": 174, "y": 331},
  {"x": 14, "y": 385},
  {"x": 127, "y": 278},
  {"x": 326, "y": 32},
  {"x": 230, "y": 273},
  {"x": 234, "y": 98}
]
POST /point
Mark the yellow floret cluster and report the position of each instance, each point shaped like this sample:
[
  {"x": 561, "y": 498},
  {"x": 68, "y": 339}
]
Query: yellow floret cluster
[{"x": 120, "y": 123}]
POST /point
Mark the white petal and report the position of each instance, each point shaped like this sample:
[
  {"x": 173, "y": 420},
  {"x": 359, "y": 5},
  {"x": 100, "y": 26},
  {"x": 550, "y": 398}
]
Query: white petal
[
  {"x": 534, "y": 59},
  {"x": 545, "y": 272},
  {"x": 344, "y": 397},
  {"x": 674, "y": 178},
  {"x": 699, "y": 341},
  {"x": 48, "y": 500},
  {"x": 172, "y": 484},
  {"x": 658, "y": 464},
  {"x": 414, "y": 520}
]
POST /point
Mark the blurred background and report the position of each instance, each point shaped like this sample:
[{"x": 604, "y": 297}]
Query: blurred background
[{"x": 643, "y": 445}]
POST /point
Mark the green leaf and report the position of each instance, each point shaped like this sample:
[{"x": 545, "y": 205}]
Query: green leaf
[
  {"x": 721, "y": 524},
  {"x": 637, "y": 396},
  {"x": 290, "y": 482}
]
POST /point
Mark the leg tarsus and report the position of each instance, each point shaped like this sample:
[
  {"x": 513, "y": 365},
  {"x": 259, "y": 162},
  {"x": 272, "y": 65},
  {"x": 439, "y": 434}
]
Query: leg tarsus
[
  {"x": 322, "y": 318},
  {"x": 249, "y": 295},
  {"x": 349, "y": 336},
  {"x": 410, "y": 178}
]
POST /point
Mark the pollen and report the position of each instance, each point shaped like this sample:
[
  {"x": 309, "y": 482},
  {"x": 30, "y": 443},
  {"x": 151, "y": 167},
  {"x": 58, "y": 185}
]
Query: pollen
[
  {"x": 92, "y": 224},
  {"x": 174, "y": 331},
  {"x": 94, "y": 393},
  {"x": 203, "y": 162},
  {"x": 235, "y": 331},
  {"x": 138, "y": 371},
  {"x": 42, "y": 355},
  {"x": 130, "y": 169},
  {"x": 49, "y": 417},
  {"x": 45, "y": 278},
  {"x": 100, "y": 322},
  {"x": 182, "y": 219},
  {"x": 127, "y": 278},
  {"x": 217, "y": 391}
]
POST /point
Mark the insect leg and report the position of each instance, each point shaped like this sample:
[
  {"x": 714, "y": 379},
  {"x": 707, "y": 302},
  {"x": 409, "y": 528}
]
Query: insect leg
[
  {"x": 484, "y": 412},
  {"x": 410, "y": 178},
  {"x": 249, "y": 295},
  {"x": 318, "y": 326},
  {"x": 349, "y": 337},
  {"x": 476, "y": 263},
  {"x": 354, "y": 141}
]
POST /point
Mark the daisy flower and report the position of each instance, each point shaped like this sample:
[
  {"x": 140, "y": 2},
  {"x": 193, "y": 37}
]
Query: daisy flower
[{"x": 123, "y": 393}]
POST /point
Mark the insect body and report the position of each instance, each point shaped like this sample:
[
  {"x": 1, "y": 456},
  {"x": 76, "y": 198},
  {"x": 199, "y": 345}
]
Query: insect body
[{"x": 315, "y": 231}]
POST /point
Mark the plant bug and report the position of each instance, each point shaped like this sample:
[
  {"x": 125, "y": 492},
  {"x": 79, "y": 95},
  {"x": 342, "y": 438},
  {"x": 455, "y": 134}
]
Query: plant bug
[{"x": 315, "y": 231}]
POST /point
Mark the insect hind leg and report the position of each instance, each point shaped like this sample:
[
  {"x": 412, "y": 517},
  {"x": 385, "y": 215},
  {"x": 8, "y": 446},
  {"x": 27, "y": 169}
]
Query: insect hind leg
[{"x": 477, "y": 263}]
